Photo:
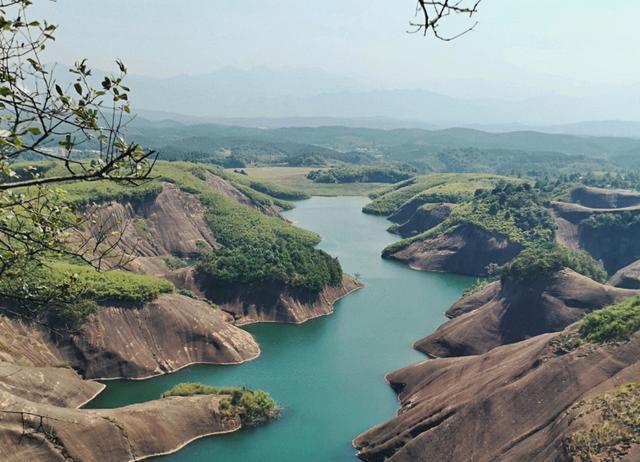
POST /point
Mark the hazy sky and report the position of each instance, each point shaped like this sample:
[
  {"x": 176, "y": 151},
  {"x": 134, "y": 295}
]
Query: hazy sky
[{"x": 520, "y": 48}]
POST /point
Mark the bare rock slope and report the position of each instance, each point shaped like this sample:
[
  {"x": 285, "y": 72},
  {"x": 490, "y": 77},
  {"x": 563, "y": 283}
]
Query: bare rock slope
[
  {"x": 426, "y": 217},
  {"x": 165, "y": 335},
  {"x": 510, "y": 404},
  {"x": 40, "y": 431},
  {"x": 269, "y": 303},
  {"x": 627, "y": 277},
  {"x": 40, "y": 393},
  {"x": 614, "y": 244},
  {"x": 468, "y": 249},
  {"x": 510, "y": 312},
  {"x": 601, "y": 198}
]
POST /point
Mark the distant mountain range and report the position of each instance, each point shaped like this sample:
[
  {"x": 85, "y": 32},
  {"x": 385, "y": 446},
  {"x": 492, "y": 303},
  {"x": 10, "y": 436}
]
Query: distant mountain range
[
  {"x": 267, "y": 97},
  {"x": 600, "y": 128}
]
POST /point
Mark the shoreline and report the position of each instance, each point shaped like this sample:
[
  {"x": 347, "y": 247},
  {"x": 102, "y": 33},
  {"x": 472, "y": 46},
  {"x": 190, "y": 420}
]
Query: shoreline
[
  {"x": 196, "y": 363},
  {"x": 186, "y": 443},
  {"x": 298, "y": 323}
]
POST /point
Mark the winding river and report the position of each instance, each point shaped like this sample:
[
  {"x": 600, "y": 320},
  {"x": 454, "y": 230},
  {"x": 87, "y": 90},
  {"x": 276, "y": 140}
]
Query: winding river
[{"x": 327, "y": 374}]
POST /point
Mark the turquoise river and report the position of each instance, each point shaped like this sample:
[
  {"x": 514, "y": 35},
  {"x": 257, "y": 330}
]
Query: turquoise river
[{"x": 327, "y": 374}]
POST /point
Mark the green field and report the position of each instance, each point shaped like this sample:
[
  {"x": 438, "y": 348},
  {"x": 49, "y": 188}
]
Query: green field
[{"x": 296, "y": 178}]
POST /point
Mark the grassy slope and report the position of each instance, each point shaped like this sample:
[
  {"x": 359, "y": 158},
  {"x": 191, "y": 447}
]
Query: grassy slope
[
  {"x": 296, "y": 178},
  {"x": 451, "y": 185},
  {"x": 257, "y": 248},
  {"x": 518, "y": 215}
]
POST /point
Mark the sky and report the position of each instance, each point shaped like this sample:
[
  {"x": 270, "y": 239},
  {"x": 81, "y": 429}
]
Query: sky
[{"x": 520, "y": 48}]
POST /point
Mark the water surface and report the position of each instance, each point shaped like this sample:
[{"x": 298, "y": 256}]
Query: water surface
[{"x": 327, "y": 374}]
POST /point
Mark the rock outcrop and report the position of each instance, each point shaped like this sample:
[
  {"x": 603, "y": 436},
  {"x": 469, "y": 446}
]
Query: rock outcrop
[
  {"x": 627, "y": 277},
  {"x": 616, "y": 246},
  {"x": 467, "y": 249},
  {"x": 509, "y": 312},
  {"x": 39, "y": 431},
  {"x": 510, "y": 404},
  {"x": 40, "y": 392},
  {"x": 600, "y": 198},
  {"x": 269, "y": 302},
  {"x": 172, "y": 223},
  {"x": 426, "y": 217},
  {"x": 474, "y": 300},
  {"x": 57, "y": 385},
  {"x": 165, "y": 335}
]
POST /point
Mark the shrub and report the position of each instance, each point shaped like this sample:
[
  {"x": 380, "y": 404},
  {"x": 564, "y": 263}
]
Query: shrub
[
  {"x": 543, "y": 260},
  {"x": 449, "y": 187},
  {"x": 188, "y": 293},
  {"x": 113, "y": 287},
  {"x": 254, "y": 407},
  {"x": 613, "y": 221},
  {"x": 362, "y": 174},
  {"x": 477, "y": 286},
  {"x": 82, "y": 194},
  {"x": 174, "y": 263},
  {"x": 257, "y": 248},
  {"x": 513, "y": 210},
  {"x": 614, "y": 323},
  {"x": 63, "y": 295},
  {"x": 613, "y": 423}
]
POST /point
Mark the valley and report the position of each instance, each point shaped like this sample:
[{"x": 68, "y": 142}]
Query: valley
[{"x": 277, "y": 233}]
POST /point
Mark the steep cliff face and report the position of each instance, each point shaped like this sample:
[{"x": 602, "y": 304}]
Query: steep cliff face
[
  {"x": 170, "y": 224},
  {"x": 41, "y": 392},
  {"x": 165, "y": 335},
  {"x": 627, "y": 277},
  {"x": 615, "y": 245},
  {"x": 616, "y": 248},
  {"x": 468, "y": 249},
  {"x": 512, "y": 312},
  {"x": 269, "y": 302},
  {"x": 426, "y": 217},
  {"x": 600, "y": 198},
  {"x": 474, "y": 300},
  {"x": 510, "y": 404}
]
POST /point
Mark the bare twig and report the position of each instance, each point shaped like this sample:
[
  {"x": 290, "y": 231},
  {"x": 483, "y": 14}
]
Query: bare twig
[{"x": 431, "y": 13}]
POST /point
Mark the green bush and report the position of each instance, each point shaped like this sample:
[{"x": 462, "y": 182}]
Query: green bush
[
  {"x": 543, "y": 260},
  {"x": 113, "y": 287},
  {"x": 362, "y": 174},
  {"x": 444, "y": 187},
  {"x": 63, "y": 295},
  {"x": 614, "y": 323},
  {"x": 477, "y": 286},
  {"x": 257, "y": 248},
  {"x": 81, "y": 194},
  {"x": 612, "y": 222},
  {"x": 513, "y": 210},
  {"x": 254, "y": 407},
  {"x": 188, "y": 293},
  {"x": 175, "y": 263}
]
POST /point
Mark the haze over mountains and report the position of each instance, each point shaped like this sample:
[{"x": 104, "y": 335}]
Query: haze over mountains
[{"x": 310, "y": 97}]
